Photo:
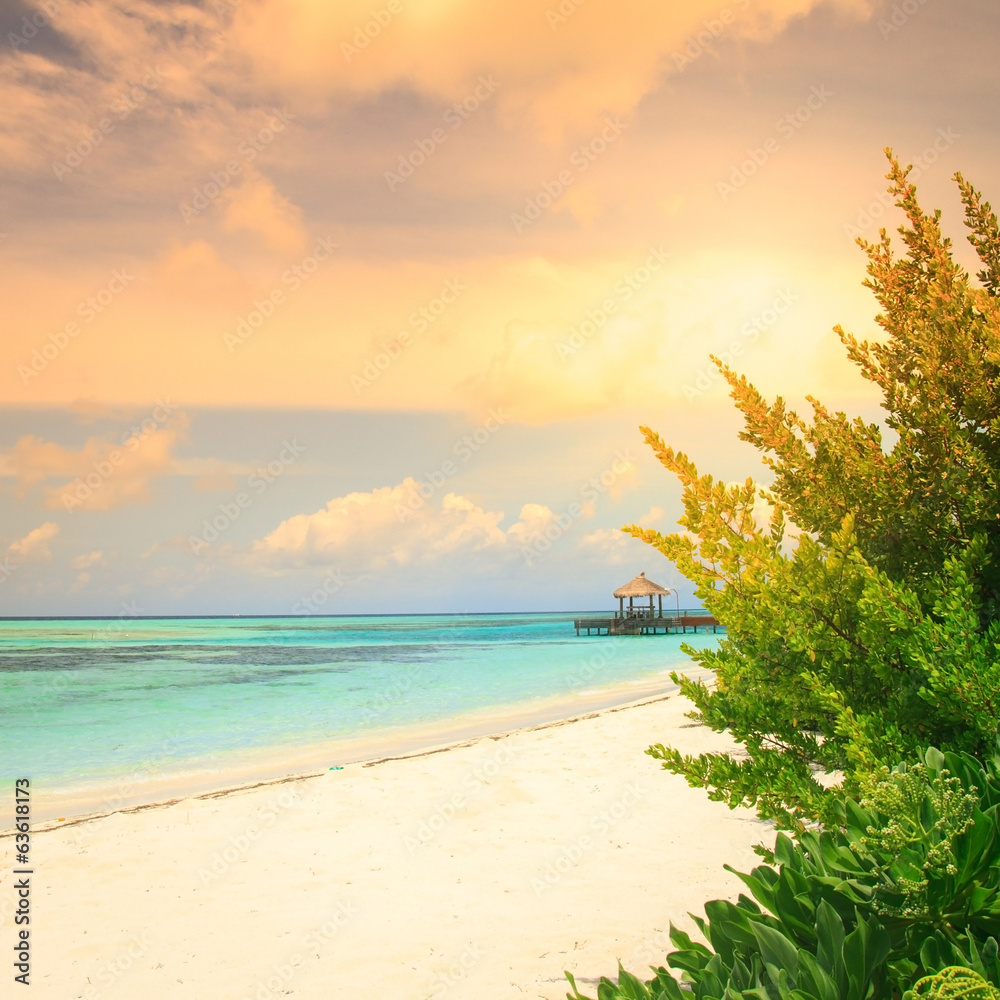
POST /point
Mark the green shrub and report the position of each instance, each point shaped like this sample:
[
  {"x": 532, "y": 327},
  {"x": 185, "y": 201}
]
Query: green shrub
[
  {"x": 953, "y": 983},
  {"x": 878, "y": 633},
  {"x": 756, "y": 958},
  {"x": 907, "y": 884}
]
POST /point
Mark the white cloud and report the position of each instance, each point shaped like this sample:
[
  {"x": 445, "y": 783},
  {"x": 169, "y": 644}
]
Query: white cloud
[
  {"x": 34, "y": 546},
  {"x": 652, "y": 516},
  {"x": 392, "y": 526},
  {"x": 410, "y": 534},
  {"x": 611, "y": 544},
  {"x": 87, "y": 560}
]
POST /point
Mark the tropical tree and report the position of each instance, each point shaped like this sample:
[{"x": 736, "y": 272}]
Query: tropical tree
[{"x": 876, "y": 633}]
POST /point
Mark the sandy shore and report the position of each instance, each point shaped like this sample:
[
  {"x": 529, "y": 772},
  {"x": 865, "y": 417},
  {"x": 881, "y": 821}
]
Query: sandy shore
[
  {"x": 149, "y": 783},
  {"x": 480, "y": 870}
]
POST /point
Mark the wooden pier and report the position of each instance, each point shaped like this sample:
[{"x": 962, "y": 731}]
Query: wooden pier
[{"x": 668, "y": 623}]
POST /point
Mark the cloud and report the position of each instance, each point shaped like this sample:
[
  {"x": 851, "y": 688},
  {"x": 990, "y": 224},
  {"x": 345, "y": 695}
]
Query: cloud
[
  {"x": 609, "y": 545},
  {"x": 215, "y": 79},
  {"x": 636, "y": 334},
  {"x": 89, "y": 559},
  {"x": 392, "y": 526},
  {"x": 257, "y": 206},
  {"x": 412, "y": 528},
  {"x": 560, "y": 64},
  {"x": 215, "y": 482},
  {"x": 161, "y": 53},
  {"x": 89, "y": 411},
  {"x": 34, "y": 547},
  {"x": 193, "y": 272},
  {"x": 104, "y": 474},
  {"x": 195, "y": 81},
  {"x": 654, "y": 514}
]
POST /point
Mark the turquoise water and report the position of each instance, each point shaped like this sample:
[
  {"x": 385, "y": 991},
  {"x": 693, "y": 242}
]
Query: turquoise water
[{"x": 84, "y": 701}]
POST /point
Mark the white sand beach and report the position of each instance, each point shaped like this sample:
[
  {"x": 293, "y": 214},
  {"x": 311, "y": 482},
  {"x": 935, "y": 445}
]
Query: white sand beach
[{"x": 478, "y": 870}]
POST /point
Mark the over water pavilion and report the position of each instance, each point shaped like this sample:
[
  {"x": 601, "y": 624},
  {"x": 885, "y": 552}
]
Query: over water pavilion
[{"x": 640, "y": 620}]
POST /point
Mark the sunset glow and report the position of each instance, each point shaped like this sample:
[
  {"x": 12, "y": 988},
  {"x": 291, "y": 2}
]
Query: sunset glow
[{"x": 329, "y": 257}]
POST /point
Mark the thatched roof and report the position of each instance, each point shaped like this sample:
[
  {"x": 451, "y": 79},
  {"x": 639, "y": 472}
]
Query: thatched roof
[{"x": 641, "y": 587}]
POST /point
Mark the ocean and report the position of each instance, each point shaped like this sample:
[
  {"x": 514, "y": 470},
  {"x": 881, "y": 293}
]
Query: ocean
[{"x": 85, "y": 701}]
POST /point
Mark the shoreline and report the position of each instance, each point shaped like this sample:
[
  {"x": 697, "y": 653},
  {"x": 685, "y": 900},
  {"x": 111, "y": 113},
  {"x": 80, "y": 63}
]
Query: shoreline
[
  {"x": 65, "y": 806},
  {"x": 481, "y": 868}
]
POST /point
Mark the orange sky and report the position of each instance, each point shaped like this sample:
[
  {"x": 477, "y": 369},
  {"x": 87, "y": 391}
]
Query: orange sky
[{"x": 558, "y": 208}]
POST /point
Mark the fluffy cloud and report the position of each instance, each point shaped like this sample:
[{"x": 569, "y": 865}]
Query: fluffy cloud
[
  {"x": 104, "y": 474},
  {"x": 34, "y": 547},
  {"x": 415, "y": 525},
  {"x": 609, "y": 545},
  {"x": 89, "y": 559},
  {"x": 388, "y": 527},
  {"x": 652, "y": 516}
]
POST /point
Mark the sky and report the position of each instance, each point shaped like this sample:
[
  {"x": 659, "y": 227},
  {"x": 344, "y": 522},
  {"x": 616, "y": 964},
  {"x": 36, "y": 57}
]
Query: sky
[{"x": 358, "y": 307}]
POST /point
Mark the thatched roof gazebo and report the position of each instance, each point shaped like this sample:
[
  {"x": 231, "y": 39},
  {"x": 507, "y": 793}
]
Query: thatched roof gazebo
[{"x": 640, "y": 587}]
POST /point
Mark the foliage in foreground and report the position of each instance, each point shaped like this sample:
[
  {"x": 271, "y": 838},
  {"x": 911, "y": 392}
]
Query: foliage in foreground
[
  {"x": 954, "y": 983},
  {"x": 891, "y": 903},
  {"x": 879, "y": 633}
]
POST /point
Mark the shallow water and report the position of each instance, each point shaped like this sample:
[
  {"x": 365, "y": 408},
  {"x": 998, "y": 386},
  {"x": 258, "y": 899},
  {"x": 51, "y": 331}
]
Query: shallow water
[{"x": 85, "y": 700}]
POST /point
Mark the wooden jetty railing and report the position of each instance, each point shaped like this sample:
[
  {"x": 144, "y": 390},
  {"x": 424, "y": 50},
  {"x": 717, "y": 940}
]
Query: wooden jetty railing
[{"x": 645, "y": 624}]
